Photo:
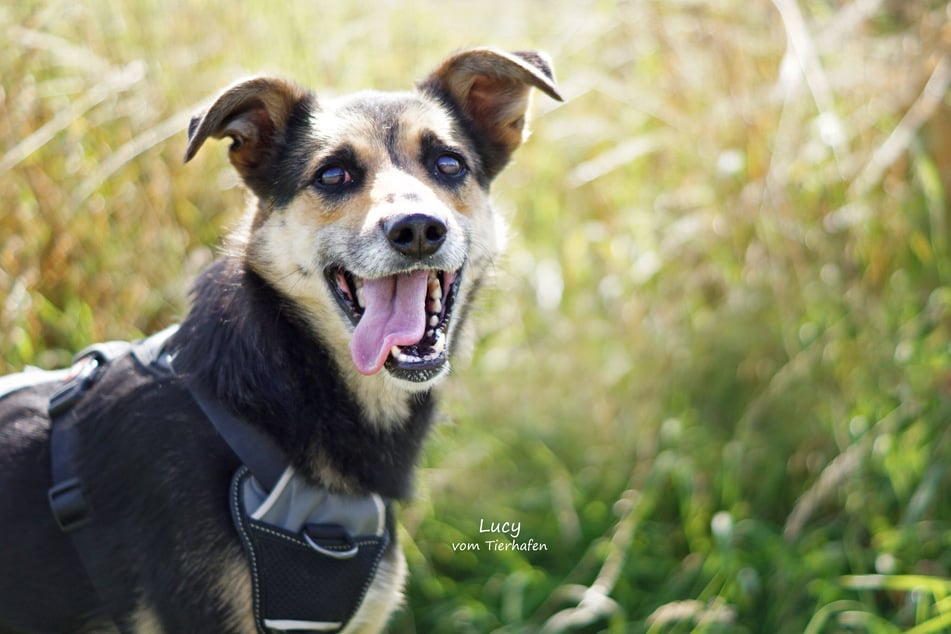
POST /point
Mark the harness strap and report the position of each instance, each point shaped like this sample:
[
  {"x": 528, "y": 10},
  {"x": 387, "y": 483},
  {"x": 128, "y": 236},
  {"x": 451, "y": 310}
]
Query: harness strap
[
  {"x": 257, "y": 451},
  {"x": 66, "y": 496},
  {"x": 70, "y": 508}
]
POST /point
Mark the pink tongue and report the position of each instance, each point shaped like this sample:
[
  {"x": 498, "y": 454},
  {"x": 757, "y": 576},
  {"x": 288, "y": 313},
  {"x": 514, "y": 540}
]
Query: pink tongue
[{"x": 395, "y": 315}]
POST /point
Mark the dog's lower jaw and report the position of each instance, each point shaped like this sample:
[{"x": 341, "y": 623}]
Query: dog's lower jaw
[{"x": 424, "y": 386}]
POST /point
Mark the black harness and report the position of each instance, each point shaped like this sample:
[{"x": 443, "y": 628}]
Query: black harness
[{"x": 312, "y": 554}]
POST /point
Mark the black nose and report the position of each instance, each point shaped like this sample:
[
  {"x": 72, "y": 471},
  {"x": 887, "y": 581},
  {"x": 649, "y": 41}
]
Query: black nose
[{"x": 417, "y": 235}]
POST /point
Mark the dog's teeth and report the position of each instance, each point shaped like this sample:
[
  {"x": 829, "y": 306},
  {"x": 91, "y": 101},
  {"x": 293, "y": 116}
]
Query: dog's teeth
[
  {"x": 396, "y": 352},
  {"x": 435, "y": 289},
  {"x": 434, "y": 294},
  {"x": 430, "y": 333},
  {"x": 439, "y": 345},
  {"x": 359, "y": 293},
  {"x": 434, "y": 321}
]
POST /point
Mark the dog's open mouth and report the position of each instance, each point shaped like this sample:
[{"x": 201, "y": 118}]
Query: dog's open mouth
[{"x": 400, "y": 321}]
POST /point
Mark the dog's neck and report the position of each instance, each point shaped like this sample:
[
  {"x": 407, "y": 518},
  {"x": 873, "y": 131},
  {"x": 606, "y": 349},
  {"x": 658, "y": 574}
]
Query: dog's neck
[{"x": 246, "y": 346}]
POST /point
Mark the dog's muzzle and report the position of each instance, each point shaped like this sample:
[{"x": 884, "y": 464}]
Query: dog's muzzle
[{"x": 401, "y": 320}]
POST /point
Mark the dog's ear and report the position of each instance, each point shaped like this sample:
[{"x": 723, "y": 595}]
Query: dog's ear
[
  {"x": 491, "y": 88},
  {"x": 254, "y": 114}
]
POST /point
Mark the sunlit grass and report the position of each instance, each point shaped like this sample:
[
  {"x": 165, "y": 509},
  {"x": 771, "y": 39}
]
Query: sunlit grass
[{"x": 712, "y": 374}]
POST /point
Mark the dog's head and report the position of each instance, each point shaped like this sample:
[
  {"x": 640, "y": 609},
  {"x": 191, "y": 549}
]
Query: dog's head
[{"x": 372, "y": 212}]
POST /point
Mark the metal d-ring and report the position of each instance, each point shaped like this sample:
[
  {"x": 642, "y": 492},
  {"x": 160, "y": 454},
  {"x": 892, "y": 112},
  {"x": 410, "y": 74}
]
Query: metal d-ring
[{"x": 336, "y": 554}]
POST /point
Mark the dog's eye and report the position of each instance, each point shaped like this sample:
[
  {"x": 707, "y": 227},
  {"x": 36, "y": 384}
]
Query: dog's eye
[
  {"x": 450, "y": 165},
  {"x": 332, "y": 176}
]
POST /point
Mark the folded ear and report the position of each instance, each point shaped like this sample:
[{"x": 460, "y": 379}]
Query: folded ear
[
  {"x": 491, "y": 89},
  {"x": 254, "y": 113}
]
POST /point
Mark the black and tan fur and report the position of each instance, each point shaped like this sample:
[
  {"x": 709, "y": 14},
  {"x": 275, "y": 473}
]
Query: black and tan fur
[{"x": 368, "y": 186}]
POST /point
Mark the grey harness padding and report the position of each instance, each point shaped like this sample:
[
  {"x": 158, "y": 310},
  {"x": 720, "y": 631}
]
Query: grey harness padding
[
  {"x": 294, "y": 503},
  {"x": 28, "y": 378}
]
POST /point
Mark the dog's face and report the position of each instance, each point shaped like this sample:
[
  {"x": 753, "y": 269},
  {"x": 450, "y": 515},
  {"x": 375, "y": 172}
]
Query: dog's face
[{"x": 372, "y": 212}]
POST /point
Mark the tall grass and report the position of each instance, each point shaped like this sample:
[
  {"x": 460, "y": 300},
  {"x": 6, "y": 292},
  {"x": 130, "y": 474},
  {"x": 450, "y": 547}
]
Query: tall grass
[{"x": 712, "y": 376}]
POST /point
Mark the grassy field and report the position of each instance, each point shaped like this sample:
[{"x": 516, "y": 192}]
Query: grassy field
[{"x": 712, "y": 376}]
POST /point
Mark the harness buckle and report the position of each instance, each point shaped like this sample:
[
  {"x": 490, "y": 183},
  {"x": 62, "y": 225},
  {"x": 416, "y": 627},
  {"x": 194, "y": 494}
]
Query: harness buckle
[
  {"x": 82, "y": 375},
  {"x": 69, "y": 505}
]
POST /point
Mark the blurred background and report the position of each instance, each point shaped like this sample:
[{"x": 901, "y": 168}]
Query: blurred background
[{"x": 712, "y": 374}]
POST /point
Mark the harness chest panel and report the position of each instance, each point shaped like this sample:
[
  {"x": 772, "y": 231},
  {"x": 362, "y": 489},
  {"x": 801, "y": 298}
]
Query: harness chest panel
[{"x": 312, "y": 578}]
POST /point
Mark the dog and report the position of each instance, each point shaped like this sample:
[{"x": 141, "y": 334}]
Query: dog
[{"x": 323, "y": 328}]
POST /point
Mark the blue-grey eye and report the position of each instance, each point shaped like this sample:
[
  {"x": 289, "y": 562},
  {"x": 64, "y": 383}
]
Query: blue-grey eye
[
  {"x": 333, "y": 176},
  {"x": 450, "y": 165}
]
